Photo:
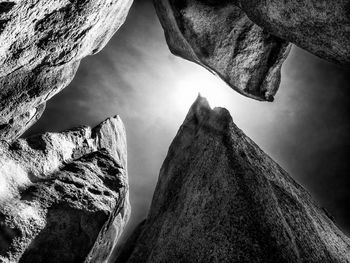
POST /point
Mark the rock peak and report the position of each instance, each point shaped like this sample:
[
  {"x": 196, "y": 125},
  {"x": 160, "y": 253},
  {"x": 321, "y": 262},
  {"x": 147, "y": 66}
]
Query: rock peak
[
  {"x": 201, "y": 113},
  {"x": 199, "y": 107},
  {"x": 220, "y": 198},
  {"x": 201, "y": 101},
  {"x": 107, "y": 134}
]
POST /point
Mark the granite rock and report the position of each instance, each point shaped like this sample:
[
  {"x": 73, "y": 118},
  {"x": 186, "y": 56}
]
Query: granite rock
[
  {"x": 42, "y": 43},
  {"x": 19, "y": 124},
  {"x": 219, "y": 36},
  {"x": 64, "y": 196},
  {"x": 320, "y": 26},
  {"x": 220, "y": 198}
]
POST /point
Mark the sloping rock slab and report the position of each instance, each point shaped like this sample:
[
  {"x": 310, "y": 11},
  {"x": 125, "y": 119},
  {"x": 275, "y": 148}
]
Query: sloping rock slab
[
  {"x": 42, "y": 43},
  {"x": 64, "y": 196},
  {"x": 220, "y": 37},
  {"x": 220, "y": 198}
]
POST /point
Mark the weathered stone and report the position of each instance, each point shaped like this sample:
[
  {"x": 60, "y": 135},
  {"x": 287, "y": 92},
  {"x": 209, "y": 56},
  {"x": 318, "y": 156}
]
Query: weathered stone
[
  {"x": 64, "y": 196},
  {"x": 220, "y": 198},
  {"x": 220, "y": 37},
  {"x": 42, "y": 43},
  {"x": 16, "y": 126},
  {"x": 320, "y": 26}
]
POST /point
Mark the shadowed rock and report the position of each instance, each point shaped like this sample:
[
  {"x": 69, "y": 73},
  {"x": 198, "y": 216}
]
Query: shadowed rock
[
  {"x": 64, "y": 196},
  {"x": 220, "y": 198},
  {"x": 42, "y": 43},
  {"x": 220, "y": 37},
  {"x": 19, "y": 124},
  {"x": 320, "y": 26}
]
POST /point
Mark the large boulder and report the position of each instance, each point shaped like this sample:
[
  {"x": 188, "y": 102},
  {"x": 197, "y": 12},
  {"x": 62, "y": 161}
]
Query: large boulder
[
  {"x": 219, "y": 36},
  {"x": 320, "y": 26},
  {"x": 42, "y": 43},
  {"x": 220, "y": 198},
  {"x": 64, "y": 196}
]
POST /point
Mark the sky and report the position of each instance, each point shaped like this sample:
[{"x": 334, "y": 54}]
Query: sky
[{"x": 306, "y": 129}]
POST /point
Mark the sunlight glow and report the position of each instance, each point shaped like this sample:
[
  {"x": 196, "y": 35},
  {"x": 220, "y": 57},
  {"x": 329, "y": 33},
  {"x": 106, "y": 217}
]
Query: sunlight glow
[{"x": 208, "y": 85}]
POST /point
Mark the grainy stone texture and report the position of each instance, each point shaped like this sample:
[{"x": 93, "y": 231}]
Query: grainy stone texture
[
  {"x": 64, "y": 196},
  {"x": 220, "y": 198},
  {"x": 17, "y": 125},
  {"x": 319, "y": 26},
  {"x": 42, "y": 43},
  {"x": 220, "y": 37}
]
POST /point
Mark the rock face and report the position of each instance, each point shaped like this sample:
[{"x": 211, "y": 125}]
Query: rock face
[
  {"x": 220, "y": 198},
  {"x": 19, "y": 124},
  {"x": 319, "y": 26},
  {"x": 64, "y": 196},
  {"x": 42, "y": 43},
  {"x": 219, "y": 36}
]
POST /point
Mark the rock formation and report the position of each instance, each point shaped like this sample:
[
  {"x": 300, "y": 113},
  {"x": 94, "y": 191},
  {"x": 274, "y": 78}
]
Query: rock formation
[
  {"x": 42, "y": 43},
  {"x": 64, "y": 196},
  {"x": 220, "y": 198},
  {"x": 319, "y": 26},
  {"x": 16, "y": 126},
  {"x": 219, "y": 36}
]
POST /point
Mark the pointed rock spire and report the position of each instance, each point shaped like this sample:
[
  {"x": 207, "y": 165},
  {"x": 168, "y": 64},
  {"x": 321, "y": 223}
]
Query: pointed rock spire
[{"x": 220, "y": 198}]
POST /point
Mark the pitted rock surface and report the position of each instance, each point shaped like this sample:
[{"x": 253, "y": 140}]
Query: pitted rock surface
[{"x": 64, "y": 196}]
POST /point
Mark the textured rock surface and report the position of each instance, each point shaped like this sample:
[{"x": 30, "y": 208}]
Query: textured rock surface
[
  {"x": 220, "y": 37},
  {"x": 219, "y": 198},
  {"x": 42, "y": 43},
  {"x": 319, "y": 26},
  {"x": 19, "y": 124},
  {"x": 64, "y": 196}
]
